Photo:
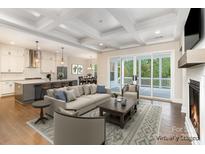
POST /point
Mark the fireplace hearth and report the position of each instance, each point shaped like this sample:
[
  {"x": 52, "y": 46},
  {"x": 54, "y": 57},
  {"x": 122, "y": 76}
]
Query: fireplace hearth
[{"x": 194, "y": 91}]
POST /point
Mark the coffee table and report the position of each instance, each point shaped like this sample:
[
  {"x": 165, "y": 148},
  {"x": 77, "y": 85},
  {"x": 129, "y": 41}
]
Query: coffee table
[
  {"x": 116, "y": 113},
  {"x": 41, "y": 105}
]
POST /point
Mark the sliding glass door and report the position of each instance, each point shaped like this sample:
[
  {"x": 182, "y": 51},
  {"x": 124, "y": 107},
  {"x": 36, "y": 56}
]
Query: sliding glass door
[
  {"x": 127, "y": 70},
  {"x": 153, "y": 72},
  {"x": 145, "y": 76}
]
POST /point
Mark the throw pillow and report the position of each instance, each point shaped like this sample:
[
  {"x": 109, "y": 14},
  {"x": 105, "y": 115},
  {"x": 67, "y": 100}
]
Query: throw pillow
[
  {"x": 70, "y": 95},
  {"x": 93, "y": 88},
  {"x": 80, "y": 88},
  {"x": 101, "y": 89},
  {"x": 86, "y": 89},
  {"x": 76, "y": 90},
  {"x": 131, "y": 88},
  {"x": 50, "y": 92},
  {"x": 59, "y": 94}
]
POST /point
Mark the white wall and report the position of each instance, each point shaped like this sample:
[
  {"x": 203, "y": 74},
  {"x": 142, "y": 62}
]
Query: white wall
[
  {"x": 103, "y": 64},
  {"x": 196, "y": 73},
  {"x": 74, "y": 60}
]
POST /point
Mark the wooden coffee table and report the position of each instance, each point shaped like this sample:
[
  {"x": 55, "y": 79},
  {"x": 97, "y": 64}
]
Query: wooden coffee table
[{"x": 117, "y": 114}]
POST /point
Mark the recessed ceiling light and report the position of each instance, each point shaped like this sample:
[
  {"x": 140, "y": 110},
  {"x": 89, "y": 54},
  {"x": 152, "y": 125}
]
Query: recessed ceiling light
[
  {"x": 36, "y": 14},
  {"x": 101, "y": 44},
  {"x": 12, "y": 42},
  {"x": 63, "y": 26},
  {"x": 157, "y": 32}
]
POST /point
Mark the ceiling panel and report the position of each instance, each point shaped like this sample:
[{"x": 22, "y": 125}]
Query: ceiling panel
[{"x": 99, "y": 19}]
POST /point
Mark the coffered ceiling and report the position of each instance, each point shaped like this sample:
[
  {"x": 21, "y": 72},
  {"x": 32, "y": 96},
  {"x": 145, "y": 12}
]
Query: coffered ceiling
[{"x": 99, "y": 29}]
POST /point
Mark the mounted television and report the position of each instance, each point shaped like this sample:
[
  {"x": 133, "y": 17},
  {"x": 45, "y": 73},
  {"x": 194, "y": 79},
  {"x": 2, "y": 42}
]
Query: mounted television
[{"x": 193, "y": 28}]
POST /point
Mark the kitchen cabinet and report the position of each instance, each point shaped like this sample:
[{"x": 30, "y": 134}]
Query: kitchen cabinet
[
  {"x": 6, "y": 88},
  {"x": 12, "y": 60}
]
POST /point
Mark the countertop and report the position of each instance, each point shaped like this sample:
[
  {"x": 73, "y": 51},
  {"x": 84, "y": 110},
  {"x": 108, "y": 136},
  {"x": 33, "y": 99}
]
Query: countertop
[{"x": 40, "y": 81}]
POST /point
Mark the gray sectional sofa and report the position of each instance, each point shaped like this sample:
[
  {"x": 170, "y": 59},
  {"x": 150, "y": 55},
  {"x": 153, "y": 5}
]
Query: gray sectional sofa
[{"x": 81, "y": 105}]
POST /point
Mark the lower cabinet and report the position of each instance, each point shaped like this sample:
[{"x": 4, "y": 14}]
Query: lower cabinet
[{"x": 6, "y": 88}]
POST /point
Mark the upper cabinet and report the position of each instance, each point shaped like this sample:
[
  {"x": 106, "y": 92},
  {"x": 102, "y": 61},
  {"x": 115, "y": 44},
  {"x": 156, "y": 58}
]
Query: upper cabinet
[
  {"x": 48, "y": 62},
  {"x": 11, "y": 59}
]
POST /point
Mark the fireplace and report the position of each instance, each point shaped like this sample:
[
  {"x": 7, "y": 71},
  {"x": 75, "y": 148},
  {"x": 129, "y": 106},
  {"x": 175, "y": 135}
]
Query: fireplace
[{"x": 194, "y": 89}]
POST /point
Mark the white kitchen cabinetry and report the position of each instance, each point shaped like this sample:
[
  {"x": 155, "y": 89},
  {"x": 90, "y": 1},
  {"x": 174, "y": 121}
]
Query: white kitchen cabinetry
[
  {"x": 12, "y": 60},
  {"x": 47, "y": 62},
  {"x": 6, "y": 88}
]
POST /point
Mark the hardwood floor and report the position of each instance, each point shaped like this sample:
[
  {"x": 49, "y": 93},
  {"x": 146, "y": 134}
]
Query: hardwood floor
[
  {"x": 14, "y": 130},
  {"x": 13, "y": 127},
  {"x": 172, "y": 125}
]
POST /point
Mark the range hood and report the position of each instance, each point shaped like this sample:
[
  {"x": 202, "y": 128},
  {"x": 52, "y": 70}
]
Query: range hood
[
  {"x": 34, "y": 58},
  {"x": 192, "y": 58}
]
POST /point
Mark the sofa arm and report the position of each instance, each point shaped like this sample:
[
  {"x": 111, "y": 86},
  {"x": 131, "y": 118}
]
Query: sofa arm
[
  {"x": 124, "y": 89},
  {"x": 55, "y": 104}
]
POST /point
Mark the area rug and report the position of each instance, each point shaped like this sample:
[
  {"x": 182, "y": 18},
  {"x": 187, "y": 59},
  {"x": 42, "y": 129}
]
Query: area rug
[{"x": 142, "y": 129}]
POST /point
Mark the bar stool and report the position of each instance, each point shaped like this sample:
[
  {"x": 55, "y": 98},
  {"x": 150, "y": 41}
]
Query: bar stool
[
  {"x": 44, "y": 88},
  {"x": 57, "y": 85},
  {"x": 65, "y": 84}
]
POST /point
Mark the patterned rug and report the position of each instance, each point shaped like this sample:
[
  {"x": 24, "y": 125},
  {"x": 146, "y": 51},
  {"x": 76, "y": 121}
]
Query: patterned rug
[{"x": 142, "y": 129}]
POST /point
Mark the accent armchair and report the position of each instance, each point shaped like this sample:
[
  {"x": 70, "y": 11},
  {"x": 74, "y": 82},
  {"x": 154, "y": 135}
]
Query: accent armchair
[
  {"x": 73, "y": 130},
  {"x": 131, "y": 90}
]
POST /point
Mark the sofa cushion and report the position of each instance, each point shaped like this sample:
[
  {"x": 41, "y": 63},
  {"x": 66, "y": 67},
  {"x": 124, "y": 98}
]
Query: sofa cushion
[
  {"x": 86, "y": 89},
  {"x": 50, "y": 92},
  {"x": 79, "y": 103},
  {"x": 76, "y": 90},
  {"x": 70, "y": 95},
  {"x": 132, "y": 88},
  {"x": 97, "y": 97},
  {"x": 101, "y": 89},
  {"x": 93, "y": 88},
  {"x": 130, "y": 94},
  {"x": 60, "y": 94},
  {"x": 80, "y": 88}
]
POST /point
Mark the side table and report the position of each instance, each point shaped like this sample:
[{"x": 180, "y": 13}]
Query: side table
[{"x": 41, "y": 105}]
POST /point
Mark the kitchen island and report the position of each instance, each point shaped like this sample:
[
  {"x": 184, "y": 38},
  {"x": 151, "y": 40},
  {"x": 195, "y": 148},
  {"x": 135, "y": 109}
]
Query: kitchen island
[{"x": 27, "y": 91}]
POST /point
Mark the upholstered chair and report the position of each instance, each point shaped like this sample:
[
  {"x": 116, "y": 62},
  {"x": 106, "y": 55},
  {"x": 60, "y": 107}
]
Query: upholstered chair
[
  {"x": 131, "y": 90},
  {"x": 74, "y": 130}
]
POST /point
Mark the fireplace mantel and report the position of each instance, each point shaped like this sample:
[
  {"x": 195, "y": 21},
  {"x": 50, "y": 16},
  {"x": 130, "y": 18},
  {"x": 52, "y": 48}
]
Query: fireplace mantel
[{"x": 192, "y": 58}]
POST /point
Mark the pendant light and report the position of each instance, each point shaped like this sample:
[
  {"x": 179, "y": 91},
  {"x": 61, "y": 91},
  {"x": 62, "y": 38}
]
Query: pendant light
[
  {"x": 90, "y": 66},
  {"x": 37, "y": 56},
  {"x": 62, "y": 60}
]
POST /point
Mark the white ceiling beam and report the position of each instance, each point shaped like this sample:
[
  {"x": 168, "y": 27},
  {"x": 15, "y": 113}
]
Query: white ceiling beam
[
  {"x": 160, "y": 40},
  {"x": 64, "y": 36},
  {"x": 181, "y": 20},
  {"x": 7, "y": 18},
  {"x": 83, "y": 28},
  {"x": 113, "y": 32},
  {"x": 88, "y": 40},
  {"x": 128, "y": 23},
  {"x": 66, "y": 14},
  {"x": 157, "y": 23},
  {"x": 40, "y": 34}
]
